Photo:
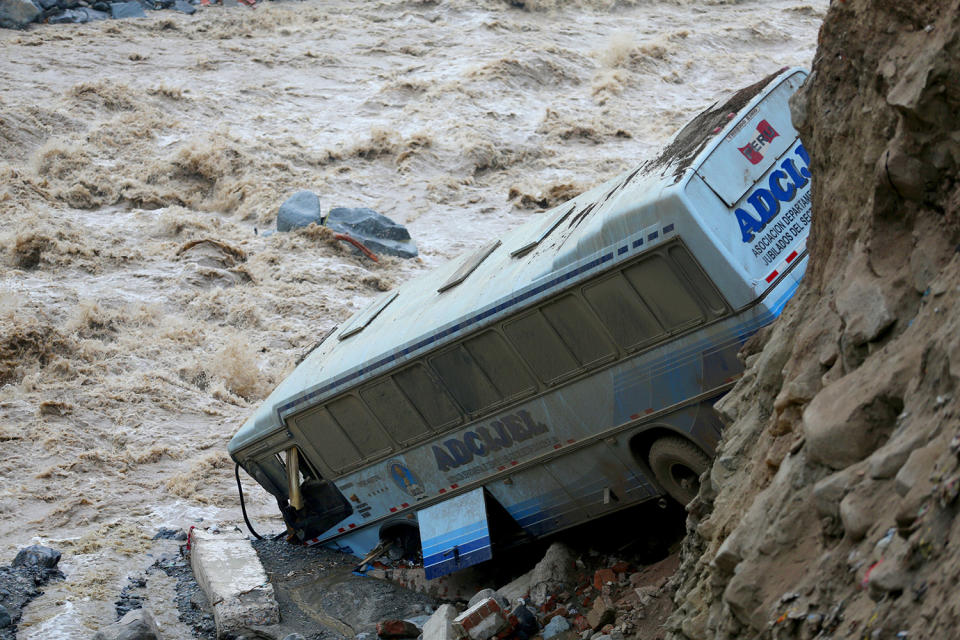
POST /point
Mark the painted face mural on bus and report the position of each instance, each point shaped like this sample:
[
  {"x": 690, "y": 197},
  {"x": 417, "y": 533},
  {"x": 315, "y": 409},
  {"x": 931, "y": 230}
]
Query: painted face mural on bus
[{"x": 406, "y": 480}]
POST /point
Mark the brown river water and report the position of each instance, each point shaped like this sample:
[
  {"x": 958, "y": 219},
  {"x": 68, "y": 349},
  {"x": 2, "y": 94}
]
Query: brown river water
[{"x": 129, "y": 354}]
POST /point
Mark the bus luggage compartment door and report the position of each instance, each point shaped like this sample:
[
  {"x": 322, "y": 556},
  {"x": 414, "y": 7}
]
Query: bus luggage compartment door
[{"x": 454, "y": 534}]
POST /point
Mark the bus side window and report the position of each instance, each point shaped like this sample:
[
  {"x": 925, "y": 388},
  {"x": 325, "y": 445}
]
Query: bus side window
[
  {"x": 665, "y": 292},
  {"x": 502, "y": 366},
  {"x": 467, "y": 383},
  {"x": 538, "y": 344},
  {"x": 394, "y": 411},
  {"x": 708, "y": 292},
  {"x": 622, "y": 311},
  {"x": 327, "y": 438},
  {"x": 359, "y": 425},
  {"x": 578, "y": 330},
  {"x": 428, "y": 396}
]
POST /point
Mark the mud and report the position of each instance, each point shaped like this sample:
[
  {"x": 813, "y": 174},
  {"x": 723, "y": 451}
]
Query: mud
[{"x": 141, "y": 160}]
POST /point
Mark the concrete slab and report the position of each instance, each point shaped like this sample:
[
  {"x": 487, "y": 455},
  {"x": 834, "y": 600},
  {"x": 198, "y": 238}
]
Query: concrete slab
[{"x": 229, "y": 572}]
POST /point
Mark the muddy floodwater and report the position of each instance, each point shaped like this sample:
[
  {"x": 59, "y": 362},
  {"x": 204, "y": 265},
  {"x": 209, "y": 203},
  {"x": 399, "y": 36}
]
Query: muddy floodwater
[{"x": 143, "y": 310}]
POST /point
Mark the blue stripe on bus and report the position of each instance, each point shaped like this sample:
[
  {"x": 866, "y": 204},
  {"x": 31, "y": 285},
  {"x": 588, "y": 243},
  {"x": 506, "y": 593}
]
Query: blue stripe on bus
[
  {"x": 463, "y": 549},
  {"x": 452, "y": 564},
  {"x": 457, "y": 536}
]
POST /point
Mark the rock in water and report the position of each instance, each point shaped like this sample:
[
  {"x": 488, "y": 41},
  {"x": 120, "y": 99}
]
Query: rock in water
[
  {"x": 184, "y": 7},
  {"x": 136, "y": 625},
  {"x": 300, "y": 210},
  {"x": 379, "y": 233},
  {"x": 127, "y": 10},
  {"x": 79, "y": 15},
  {"x": 17, "y": 14},
  {"x": 37, "y": 556},
  {"x": 5, "y": 619}
]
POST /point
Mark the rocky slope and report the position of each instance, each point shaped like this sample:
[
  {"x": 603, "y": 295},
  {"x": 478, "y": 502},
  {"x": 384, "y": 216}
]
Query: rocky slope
[{"x": 830, "y": 511}]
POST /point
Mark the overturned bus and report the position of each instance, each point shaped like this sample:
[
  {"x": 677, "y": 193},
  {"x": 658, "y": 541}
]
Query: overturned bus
[{"x": 560, "y": 373}]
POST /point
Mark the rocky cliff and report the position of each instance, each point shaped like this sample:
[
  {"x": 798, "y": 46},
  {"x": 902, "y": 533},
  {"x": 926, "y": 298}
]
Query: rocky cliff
[{"x": 830, "y": 510}]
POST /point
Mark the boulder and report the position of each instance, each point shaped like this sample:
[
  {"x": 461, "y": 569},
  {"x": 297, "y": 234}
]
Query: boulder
[
  {"x": 379, "y": 233},
  {"x": 184, "y": 7},
  {"x": 556, "y": 626},
  {"x": 5, "y": 618},
  {"x": 440, "y": 624},
  {"x": 299, "y": 210},
  {"x": 603, "y": 612},
  {"x": 513, "y": 591},
  {"x": 917, "y": 468},
  {"x": 17, "y": 14},
  {"x": 134, "y": 9},
  {"x": 38, "y": 557},
  {"x": 136, "y": 625},
  {"x": 857, "y": 514},
  {"x": 849, "y": 420},
  {"x": 552, "y": 574},
  {"x": 79, "y": 15}
]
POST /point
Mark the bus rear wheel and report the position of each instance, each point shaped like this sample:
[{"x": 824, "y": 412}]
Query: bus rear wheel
[{"x": 677, "y": 463}]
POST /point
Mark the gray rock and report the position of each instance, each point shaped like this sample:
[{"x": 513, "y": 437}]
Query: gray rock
[
  {"x": 299, "y": 210},
  {"x": 17, "y": 14},
  {"x": 480, "y": 596},
  {"x": 79, "y": 15},
  {"x": 136, "y": 625},
  {"x": 294, "y": 636},
  {"x": 917, "y": 468},
  {"x": 440, "y": 624},
  {"x": 828, "y": 492},
  {"x": 37, "y": 556},
  {"x": 552, "y": 573},
  {"x": 556, "y": 626},
  {"x": 849, "y": 420},
  {"x": 5, "y": 619},
  {"x": 120, "y": 10},
  {"x": 857, "y": 514},
  {"x": 184, "y": 7},
  {"x": 516, "y": 589},
  {"x": 377, "y": 232}
]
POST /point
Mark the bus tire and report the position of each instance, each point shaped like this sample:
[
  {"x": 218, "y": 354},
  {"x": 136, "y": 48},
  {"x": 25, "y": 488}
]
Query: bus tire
[{"x": 677, "y": 463}]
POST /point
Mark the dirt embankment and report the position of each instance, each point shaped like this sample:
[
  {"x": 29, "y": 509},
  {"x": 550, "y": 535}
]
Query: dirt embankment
[{"x": 830, "y": 511}]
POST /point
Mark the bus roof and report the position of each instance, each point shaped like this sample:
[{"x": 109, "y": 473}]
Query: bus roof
[{"x": 474, "y": 290}]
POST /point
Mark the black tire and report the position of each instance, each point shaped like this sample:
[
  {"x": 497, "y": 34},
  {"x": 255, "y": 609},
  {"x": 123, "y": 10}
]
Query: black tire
[{"x": 677, "y": 463}]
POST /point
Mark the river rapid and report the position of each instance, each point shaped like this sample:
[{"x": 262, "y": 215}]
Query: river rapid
[{"x": 144, "y": 312}]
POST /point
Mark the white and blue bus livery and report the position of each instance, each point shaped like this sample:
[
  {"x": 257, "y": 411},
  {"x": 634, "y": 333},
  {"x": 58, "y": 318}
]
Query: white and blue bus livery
[{"x": 560, "y": 373}]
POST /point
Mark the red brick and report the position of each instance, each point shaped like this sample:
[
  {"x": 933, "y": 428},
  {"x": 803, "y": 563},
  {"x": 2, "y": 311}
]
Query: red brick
[
  {"x": 621, "y": 567},
  {"x": 397, "y": 629},
  {"x": 559, "y": 611},
  {"x": 581, "y": 623},
  {"x": 602, "y": 577}
]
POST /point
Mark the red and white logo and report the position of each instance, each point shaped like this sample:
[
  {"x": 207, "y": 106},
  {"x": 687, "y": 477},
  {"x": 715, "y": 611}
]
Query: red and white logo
[{"x": 765, "y": 135}]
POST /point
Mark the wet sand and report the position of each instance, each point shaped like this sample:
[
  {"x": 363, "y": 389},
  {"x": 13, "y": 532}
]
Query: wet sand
[{"x": 128, "y": 358}]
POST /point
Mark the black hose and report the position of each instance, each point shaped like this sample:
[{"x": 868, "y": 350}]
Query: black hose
[{"x": 243, "y": 507}]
